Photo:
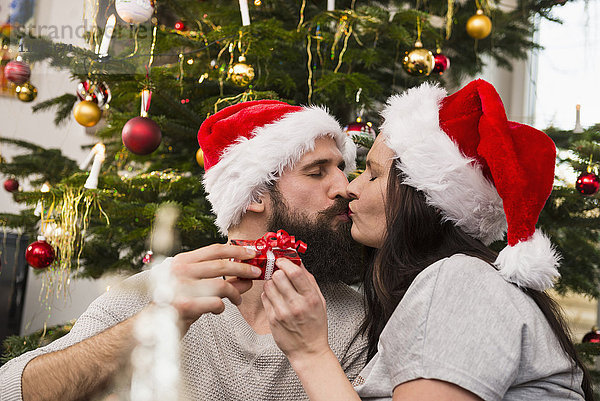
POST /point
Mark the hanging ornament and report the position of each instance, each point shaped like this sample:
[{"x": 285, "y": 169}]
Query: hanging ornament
[
  {"x": 442, "y": 62},
  {"x": 479, "y": 26},
  {"x": 148, "y": 257},
  {"x": 141, "y": 135},
  {"x": 592, "y": 336},
  {"x": 99, "y": 92},
  {"x": 40, "y": 254},
  {"x": 587, "y": 183},
  {"x": 200, "y": 157},
  {"x": 180, "y": 26},
  {"x": 418, "y": 62},
  {"x": 26, "y": 92},
  {"x": 241, "y": 73},
  {"x": 87, "y": 113},
  {"x": 361, "y": 129},
  {"x": 17, "y": 71},
  {"x": 11, "y": 185},
  {"x": 135, "y": 11}
]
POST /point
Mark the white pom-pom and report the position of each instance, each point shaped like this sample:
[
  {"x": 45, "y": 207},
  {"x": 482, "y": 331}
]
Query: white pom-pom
[{"x": 532, "y": 263}]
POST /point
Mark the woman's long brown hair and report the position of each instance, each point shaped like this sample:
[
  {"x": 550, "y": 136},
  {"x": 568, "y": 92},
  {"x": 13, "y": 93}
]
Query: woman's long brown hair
[{"x": 418, "y": 236}]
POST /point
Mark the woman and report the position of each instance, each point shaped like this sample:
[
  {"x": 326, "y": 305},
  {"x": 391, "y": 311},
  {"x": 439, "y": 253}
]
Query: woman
[{"x": 448, "y": 319}]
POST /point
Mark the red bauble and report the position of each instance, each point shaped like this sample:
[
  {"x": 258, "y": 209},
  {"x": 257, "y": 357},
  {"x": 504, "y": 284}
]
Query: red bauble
[
  {"x": 180, "y": 26},
  {"x": 101, "y": 94},
  {"x": 361, "y": 129},
  {"x": 592, "y": 336},
  {"x": 148, "y": 257},
  {"x": 141, "y": 135},
  {"x": 587, "y": 183},
  {"x": 11, "y": 185},
  {"x": 17, "y": 72},
  {"x": 441, "y": 63},
  {"x": 40, "y": 254}
]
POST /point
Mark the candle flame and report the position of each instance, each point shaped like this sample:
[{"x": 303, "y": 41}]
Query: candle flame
[{"x": 99, "y": 148}]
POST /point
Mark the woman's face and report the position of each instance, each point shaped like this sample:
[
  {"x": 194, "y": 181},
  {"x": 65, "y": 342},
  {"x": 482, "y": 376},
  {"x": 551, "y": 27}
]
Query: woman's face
[{"x": 367, "y": 210}]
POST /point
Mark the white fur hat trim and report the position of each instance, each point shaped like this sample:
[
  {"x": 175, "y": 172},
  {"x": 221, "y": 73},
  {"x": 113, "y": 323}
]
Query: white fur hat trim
[
  {"x": 532, "y": 263},
  {"x": 451, "y": 182}
]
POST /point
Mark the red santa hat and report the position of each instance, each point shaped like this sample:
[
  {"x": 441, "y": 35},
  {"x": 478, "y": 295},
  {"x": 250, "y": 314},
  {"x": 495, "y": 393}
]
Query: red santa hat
[
  {"x": 486, "y": 174},
  {"x": 248, "y": 145}
]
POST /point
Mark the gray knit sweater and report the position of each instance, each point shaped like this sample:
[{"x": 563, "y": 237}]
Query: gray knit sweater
[{"x": 222, "y": 357}]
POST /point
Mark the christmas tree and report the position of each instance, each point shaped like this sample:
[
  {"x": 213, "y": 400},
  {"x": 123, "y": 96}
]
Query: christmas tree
[
  {"x": 571, "y": 215},
  {"x": 176, "y": 62}
]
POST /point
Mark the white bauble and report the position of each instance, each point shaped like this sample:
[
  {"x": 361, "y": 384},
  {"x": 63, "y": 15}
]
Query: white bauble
[{"x": 134, "y": 11}]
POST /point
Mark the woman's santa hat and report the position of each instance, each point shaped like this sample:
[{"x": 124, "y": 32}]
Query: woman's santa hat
[
  {"x": 486, "y": 174},
  {"x": 248, "y": 146}
]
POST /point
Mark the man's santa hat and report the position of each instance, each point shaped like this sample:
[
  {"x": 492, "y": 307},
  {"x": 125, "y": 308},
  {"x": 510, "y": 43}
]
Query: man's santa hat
[
  {"x": 486, "y": 174},
  {"x": 248, "y": 146}
]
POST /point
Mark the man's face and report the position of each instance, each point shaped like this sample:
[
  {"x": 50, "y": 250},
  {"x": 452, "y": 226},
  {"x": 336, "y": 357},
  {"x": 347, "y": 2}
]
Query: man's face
[
  {"x": 310, "y": 202},
  {"x": 316, "y": 182}
]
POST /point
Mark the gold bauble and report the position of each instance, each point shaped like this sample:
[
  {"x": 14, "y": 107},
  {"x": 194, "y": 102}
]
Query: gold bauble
[
  {"x": 241, "y": 73},
  {"x": 418, "y": 62},
  {"x": 200, "y": 158},
  {"x": 87, "y": 113},
  {"x": 26, "y": 92},
  {"x": 479, "y": 25}
]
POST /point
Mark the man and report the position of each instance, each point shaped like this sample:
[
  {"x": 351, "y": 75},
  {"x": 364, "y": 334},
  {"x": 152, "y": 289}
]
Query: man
[{"x": 268, "y": 165}]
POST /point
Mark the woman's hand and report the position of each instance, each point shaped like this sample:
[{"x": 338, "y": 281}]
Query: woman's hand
[
  {"x": 296, "y": 311},
  {"x": 298, "y": 318}
]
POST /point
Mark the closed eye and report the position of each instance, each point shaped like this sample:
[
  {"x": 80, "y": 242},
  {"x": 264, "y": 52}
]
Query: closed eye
[{"x": 315, "y": 173}]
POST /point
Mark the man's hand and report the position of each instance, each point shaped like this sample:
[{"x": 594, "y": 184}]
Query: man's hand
[{"x": 200, "y": 279}]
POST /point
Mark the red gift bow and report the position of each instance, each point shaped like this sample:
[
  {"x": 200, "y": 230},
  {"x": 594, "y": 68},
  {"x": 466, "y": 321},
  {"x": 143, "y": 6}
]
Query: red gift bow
[{"x": 280, "y": 240}]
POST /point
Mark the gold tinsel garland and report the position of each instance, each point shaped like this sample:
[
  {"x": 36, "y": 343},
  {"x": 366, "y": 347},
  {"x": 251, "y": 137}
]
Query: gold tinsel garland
[{"x": 64, "y": 227}]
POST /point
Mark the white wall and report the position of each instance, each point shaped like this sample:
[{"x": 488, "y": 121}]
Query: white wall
[{"x": 53, "y": 18}]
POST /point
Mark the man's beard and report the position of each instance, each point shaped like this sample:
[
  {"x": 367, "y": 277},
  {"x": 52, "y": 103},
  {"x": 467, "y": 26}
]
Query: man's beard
[{"x": 332, "y": 254}]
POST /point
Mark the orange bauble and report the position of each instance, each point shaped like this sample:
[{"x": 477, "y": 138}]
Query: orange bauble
[
  {"x": 479, "y": 26},
  {"x": 87, "y": 113},
  {"x": 200, "y": 157}
]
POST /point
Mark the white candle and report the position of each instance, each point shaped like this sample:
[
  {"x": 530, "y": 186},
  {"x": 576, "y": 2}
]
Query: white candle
[
  {"x": 100, "y": 154},
  {"x": 578, "y": 128},
  {"x": 245, "y": 12},
  {"x": 108, "y": 31},
  {"x": 83, "y": 165},
  {"x": 38, "y": 208},
  {"x": 330, "y": 5}
]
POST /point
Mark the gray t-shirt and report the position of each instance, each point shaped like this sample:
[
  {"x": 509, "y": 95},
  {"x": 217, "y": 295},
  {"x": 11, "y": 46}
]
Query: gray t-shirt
[{"x": 462, "y": 323}]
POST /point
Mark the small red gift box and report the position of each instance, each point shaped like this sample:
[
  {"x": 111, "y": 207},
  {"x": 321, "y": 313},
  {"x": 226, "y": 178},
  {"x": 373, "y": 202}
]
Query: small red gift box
[{"x": 271, "y": 247}]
